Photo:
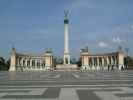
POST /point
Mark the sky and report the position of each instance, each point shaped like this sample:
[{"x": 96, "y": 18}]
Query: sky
[{"x": 32, "y": 26}]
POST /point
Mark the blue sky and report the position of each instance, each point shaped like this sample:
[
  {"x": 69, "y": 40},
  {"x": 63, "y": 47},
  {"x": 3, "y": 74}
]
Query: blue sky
[{"x": 34, "y": 25}]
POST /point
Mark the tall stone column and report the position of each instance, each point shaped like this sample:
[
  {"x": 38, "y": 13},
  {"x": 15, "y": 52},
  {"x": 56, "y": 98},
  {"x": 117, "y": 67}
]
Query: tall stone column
[{"x": 66, "y": 40}]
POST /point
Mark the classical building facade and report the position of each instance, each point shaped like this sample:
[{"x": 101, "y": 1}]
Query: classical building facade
[
  {"x": 29, "y": 62},
  {"x": 106, "y": 61}
]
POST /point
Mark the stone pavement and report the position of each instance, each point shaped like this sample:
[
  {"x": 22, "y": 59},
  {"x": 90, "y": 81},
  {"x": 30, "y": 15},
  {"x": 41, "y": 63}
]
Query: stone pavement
[{"x": 66, "y": 85}]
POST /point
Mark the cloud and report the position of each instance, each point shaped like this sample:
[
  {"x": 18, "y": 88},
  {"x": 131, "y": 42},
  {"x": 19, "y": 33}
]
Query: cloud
[
  {"x": 103, "y": 44},
  {"x": 132, "y": 27},
  {"x": 80, "y": 5},
  {"x": 117, "y": 40},
  {"x": 122, "y": 31}
]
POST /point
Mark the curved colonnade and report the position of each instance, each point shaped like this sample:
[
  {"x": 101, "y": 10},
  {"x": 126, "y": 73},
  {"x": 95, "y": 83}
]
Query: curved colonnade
[
  {"x": 27, "y": 62},
  {"x": 109, "y": 61}
]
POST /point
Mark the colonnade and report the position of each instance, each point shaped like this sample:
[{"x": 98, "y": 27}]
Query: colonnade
[
  {"x": 114, "y": 61},
  {"x": 23, "y": 63}
]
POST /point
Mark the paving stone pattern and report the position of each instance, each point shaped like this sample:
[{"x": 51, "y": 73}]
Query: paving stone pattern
[{"x": 66, "y": 85}]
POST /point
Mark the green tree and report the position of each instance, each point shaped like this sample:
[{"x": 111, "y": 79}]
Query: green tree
[
  {"x": 128, "y": 61},
  {"x": 59, "y": 60},
  {"x": 4, "y": 65},
  {"x": 73, "y": 61},
  {"x": 79, "y": 63},
  {"x": 7, "y": 64}
]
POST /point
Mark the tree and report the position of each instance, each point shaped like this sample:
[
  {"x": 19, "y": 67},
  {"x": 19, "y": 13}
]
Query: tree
[
  {"x": 59, "y": 60},
  {"x": 79, "y": 63},
  {"x": 127, "y": 51},
  {"x": 128, "y": 61},
  {"x": 7, "y": 64},
  {"x": 73, "y": 61},
  {"x": 4, "y": 65}
]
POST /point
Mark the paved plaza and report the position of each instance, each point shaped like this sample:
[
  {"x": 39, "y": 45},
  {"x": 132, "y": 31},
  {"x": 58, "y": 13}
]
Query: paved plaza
[{"x": 66, "y": 85}]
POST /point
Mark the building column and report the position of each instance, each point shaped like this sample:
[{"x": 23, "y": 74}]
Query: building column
[
  {"x": 89, "y": 63},
  {"x": 111, "y": 66},
  {"x": 112, "y": 60},
  {"x": 93, "y": 68},
  {"x": 107, "y": 61},
  {"x": 51, "y": 62},
  {"x": 21, "y": 62},
  {"x": 40, "y": 64},
  {"x": 103, "y": 63},
  {"x": 108, "y": 66},
  {"x": 26, "y": 63},
  {"x": 98, "y": 67}
]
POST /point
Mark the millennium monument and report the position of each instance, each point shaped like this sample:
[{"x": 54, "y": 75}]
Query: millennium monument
[
  {"x": 66, "y": 38},
  {"x": 66, "y": 59},
  {"x": 45, "y": 61}
]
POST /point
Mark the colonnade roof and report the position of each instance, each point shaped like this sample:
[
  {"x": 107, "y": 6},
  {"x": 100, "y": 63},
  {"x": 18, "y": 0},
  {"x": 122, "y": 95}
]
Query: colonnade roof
[
  {"x": 30, "y": 55},
  {"x": 100, "y": 54},
  {"x": 33, "y": 55}
]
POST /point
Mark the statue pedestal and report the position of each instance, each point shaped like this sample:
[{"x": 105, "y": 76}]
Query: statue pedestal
[{"x": 66, "y": 67}]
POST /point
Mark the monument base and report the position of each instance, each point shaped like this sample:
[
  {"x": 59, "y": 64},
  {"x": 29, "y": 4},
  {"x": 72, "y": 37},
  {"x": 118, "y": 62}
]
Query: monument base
[{"x": 68, "y": 67}]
